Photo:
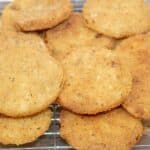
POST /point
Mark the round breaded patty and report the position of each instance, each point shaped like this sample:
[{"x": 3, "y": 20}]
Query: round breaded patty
[
  {"x": 115, "y": 130},
  {"x": 62, "y": 39},
  {"x": 24, "y": 130},
  {"x": 96, "y": 81},
  {"x": 117, "y": 18},
  {"x": 138, "y": 101},
  {"x": 31, "y": 15},
  {"x": 135, "y": 51},
  {"x": 30, "y": 78}
]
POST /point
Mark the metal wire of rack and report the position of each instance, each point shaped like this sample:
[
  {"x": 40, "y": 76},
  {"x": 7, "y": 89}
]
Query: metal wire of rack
[{"x": 51, "y": 139}]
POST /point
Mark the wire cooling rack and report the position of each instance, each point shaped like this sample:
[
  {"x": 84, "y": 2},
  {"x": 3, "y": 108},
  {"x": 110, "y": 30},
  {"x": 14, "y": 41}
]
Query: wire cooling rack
[{"x": 51, "y": 139}]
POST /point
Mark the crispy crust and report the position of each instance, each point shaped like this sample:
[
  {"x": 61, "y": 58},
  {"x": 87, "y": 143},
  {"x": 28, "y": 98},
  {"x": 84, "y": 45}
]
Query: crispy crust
[
  {"x": 115, "y": 130},
  {"x": 22, "y": 40},
  {"x": 117, "y": 18},
  {"x": 20, "y": 131},
  {"x": 30, "y": 78},
  {"x": 0, "y": 22},
  {"x": 138, "y": 102},
  {"x": 35, "y": 15},
  {"x": 135, "y": 51},
  {"x": 71, "y": 35},
  {"x": 135, "y": 54},
  {"x": 8, "y": 17},
  {"x": 96, "y": 81}
]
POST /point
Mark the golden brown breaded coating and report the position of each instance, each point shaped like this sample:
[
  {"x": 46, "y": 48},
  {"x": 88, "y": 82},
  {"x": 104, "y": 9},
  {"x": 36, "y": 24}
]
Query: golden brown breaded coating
[
  {"x": 8, "y": 17},
  {"x": 117, "y": 18},
  {"x": 135, "y": 53},
  {"x": 115, "y": 130},
  {"x": 96, "y": 81},
  {"x": 138, "y": 101},
  {"x": 0, "y": 22},
  {"x": 31, "y": 15},
  {"x": 11, "y": 39},
  {"x": 24, "y": 130},
  {"x": 30, "y": 78},
  {"x": 72, "y": 34}
]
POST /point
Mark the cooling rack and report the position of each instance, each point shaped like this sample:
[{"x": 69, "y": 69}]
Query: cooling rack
[{"x": 51, "y": 139}]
